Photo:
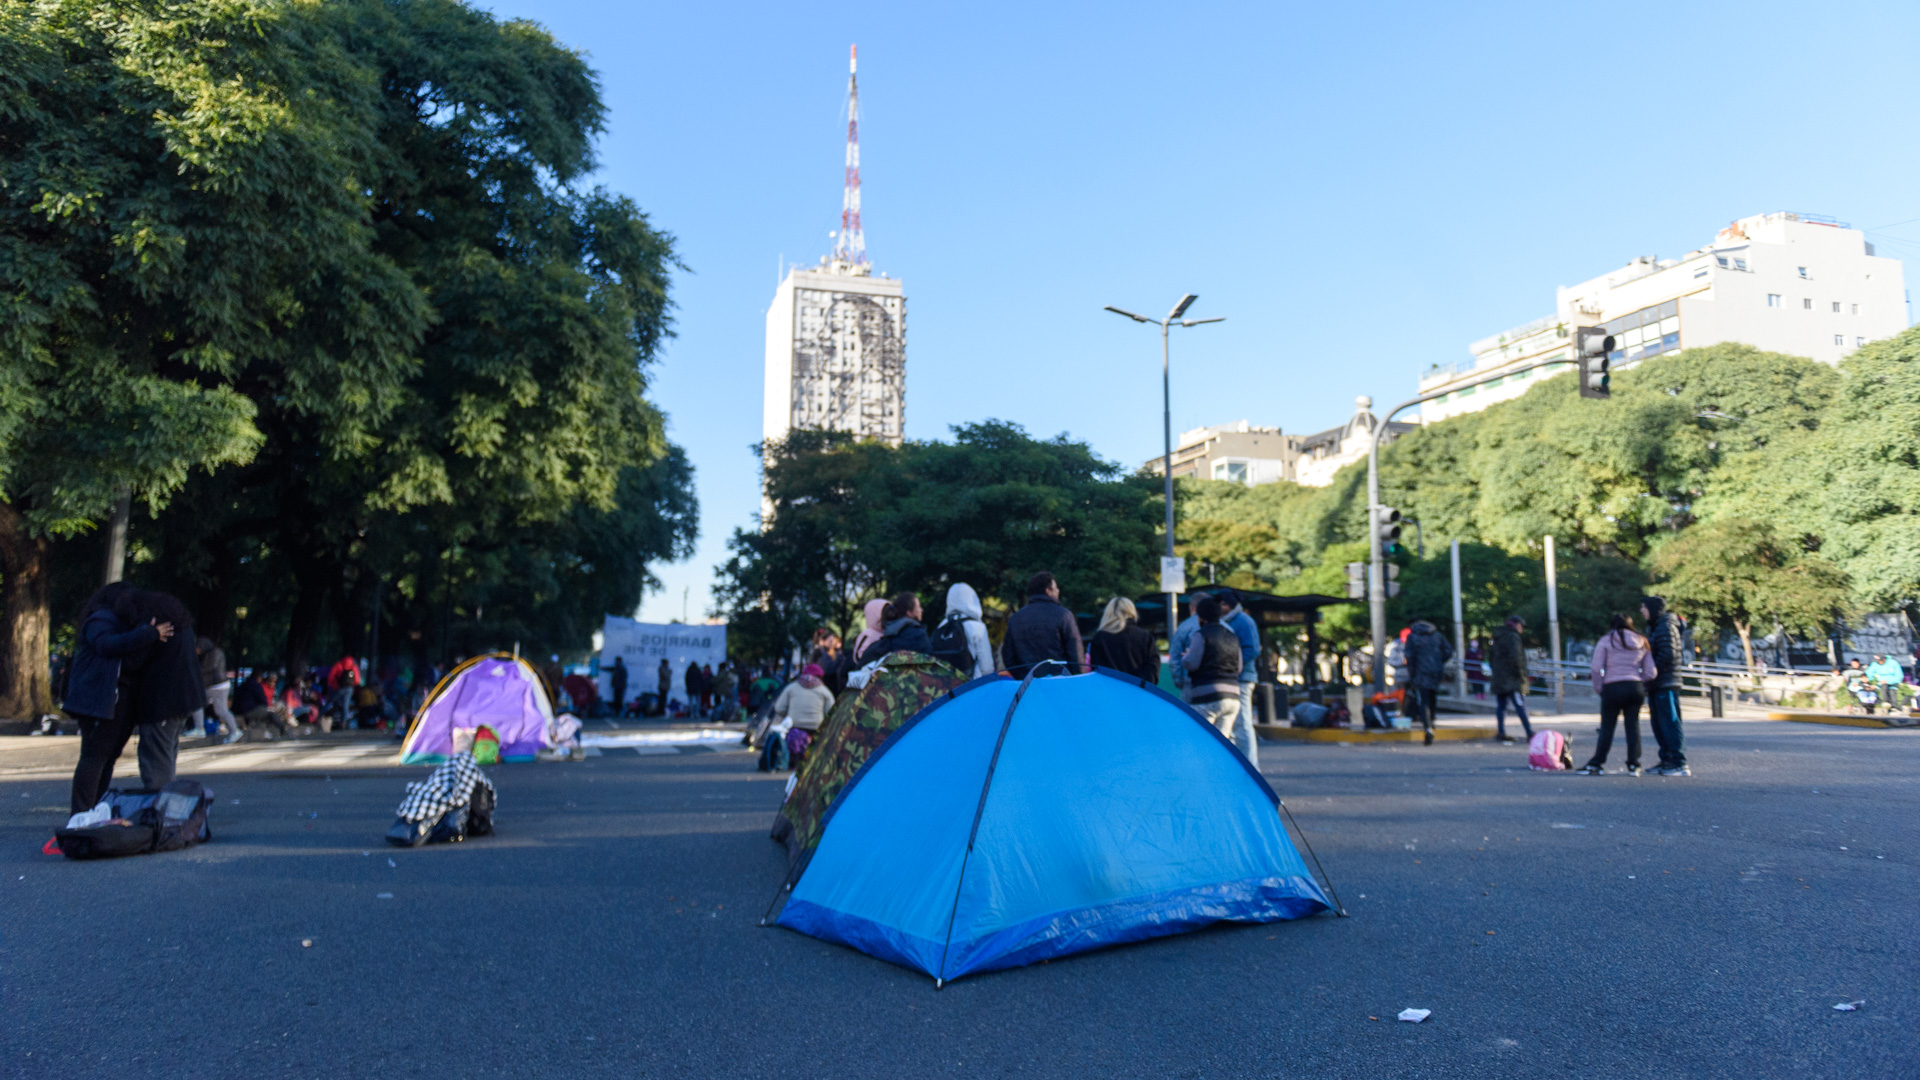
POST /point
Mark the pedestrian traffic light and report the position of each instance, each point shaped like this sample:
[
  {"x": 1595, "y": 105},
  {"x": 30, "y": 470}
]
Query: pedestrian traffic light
[
  {"x": 1393, "y": 579},
  {"x": 1389, "y": 526},
  {"x": 1591, "y": 345},
  {"x": 1356, "y": 581}
]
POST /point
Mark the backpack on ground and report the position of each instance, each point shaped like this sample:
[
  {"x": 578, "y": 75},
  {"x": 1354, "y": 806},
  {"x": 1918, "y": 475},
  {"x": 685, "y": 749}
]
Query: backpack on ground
[
  {"x": 1549, "y": 751},
  {"x": 773, "y": 752},
  {"x": 454, "y": 802},
  {"x": 949, "y": 644},
  {"x": 143, "y": 821}
]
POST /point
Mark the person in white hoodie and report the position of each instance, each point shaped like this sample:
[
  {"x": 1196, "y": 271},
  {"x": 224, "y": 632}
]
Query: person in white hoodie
[{"x": 960, "y": 629}]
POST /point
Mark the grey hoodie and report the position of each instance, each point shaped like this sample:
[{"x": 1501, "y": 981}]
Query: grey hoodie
[{"x": 962, "y": 599}]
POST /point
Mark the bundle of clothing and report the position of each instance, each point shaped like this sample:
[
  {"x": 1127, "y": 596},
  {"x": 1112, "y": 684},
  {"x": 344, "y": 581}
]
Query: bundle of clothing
[{"x": 454, "y": 802}]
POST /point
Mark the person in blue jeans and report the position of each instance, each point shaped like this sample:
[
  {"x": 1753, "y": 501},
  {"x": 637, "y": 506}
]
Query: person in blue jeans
[{"x": 1663, "y": 690}]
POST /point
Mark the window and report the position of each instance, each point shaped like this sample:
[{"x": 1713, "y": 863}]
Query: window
[
  {"x": 1700, "y": 273},
  {"x": 1803, "y": 271},
  {"x": 1856, "y": 309},
  {"x": 1739, "y": 264},
  {"x": 1836, "y": 307},
  {"x": 1773, "y": 299},
  {"x": 1234, "y": 472},
  {"x": 1807, "y": 303},
  {"x": 1722, "y": 260},
  {"x": 1859, "y": 341},
  {"x": 1839, "y": 339}
]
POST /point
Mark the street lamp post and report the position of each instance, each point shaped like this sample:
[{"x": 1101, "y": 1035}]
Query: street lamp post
[{"x": 1166, "y": 415}]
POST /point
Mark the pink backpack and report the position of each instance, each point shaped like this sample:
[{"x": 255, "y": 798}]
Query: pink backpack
[{"x": 1549, "y": 752}]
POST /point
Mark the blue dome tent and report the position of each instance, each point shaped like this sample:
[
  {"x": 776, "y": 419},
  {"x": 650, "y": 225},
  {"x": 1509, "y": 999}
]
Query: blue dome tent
[{"x": 1016, "y": 821}]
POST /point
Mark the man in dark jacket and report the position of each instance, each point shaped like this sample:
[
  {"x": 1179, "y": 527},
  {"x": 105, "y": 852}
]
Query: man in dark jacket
[
  {"x": 1043, "y": 630},
  {"x": 903, "y": 632},
  {"x": 1507, "y": 665},
  {"x": 1663, "y": 690},
  {"x": 617, "y": 675},
  {"x": 1427, "y": 656},
  {"x": 168, "y": 689},
  {"x": 113, "y": 639}
]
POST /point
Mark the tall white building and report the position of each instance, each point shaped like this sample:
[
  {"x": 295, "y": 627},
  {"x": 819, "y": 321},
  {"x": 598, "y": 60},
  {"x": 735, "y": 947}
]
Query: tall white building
[
  {"x": 837, "y": 354},
  {"x": 1789, "y": 283},
  {"x": 836, "y": 334}
]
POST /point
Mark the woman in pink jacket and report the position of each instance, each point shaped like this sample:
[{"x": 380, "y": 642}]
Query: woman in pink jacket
[{"x": 1622, "y": 663}]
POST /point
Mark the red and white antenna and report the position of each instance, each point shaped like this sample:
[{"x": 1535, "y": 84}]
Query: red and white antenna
[{"x": 851, "y": 245}]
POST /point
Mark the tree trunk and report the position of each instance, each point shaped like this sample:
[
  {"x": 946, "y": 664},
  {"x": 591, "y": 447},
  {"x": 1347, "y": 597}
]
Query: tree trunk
[
  {"x": 1745, "y": 630},
  {"x": 26, "y": 690}
]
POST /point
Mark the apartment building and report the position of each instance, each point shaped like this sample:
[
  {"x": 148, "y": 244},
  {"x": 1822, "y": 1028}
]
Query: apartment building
[
  {"x": 1238, "y": 452},
  {"x": 1792, "y": 283}
]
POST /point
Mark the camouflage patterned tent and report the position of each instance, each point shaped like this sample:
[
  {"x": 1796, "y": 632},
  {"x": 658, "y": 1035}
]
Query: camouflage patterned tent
[{"x": 861, "y": 720}]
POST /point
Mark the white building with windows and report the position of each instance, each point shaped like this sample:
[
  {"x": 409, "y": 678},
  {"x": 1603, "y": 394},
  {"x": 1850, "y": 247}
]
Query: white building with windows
[
  {"x": 837, "y": 354},
  {"x": 1326, "y": 453},
  {"x": 1238, "y": 452},
  {"x": 1789, "y": 283}
]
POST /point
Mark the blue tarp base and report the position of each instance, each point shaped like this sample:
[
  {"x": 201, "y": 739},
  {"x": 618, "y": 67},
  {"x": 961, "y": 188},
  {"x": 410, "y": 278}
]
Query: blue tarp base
[{"x": 1114, "y": 814}]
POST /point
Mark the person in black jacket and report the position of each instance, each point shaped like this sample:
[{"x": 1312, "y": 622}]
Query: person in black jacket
[
  {"x": 112, "y": 638},
  {"x": 1663, "y": 690},
  {"x": 1123, "y": 645},
  {"x": 1043, "y": 630},
  {"x": 168, "y": 689},
  {"x": 617, "y": 675},
  {"x": 900, "y": 630},
  {"x": 1427, "y": 656}
]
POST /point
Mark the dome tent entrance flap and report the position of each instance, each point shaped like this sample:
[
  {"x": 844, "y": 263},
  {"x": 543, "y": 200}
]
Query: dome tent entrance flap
[{"x": 1019, "y": 821}]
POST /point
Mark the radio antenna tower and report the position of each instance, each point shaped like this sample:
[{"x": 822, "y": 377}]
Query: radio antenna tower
[{"x": 850, "y": 248}]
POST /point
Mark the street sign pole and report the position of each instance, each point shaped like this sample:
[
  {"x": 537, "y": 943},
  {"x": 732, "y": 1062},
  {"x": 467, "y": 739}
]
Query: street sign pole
[{"x": 1553, "y": 629}]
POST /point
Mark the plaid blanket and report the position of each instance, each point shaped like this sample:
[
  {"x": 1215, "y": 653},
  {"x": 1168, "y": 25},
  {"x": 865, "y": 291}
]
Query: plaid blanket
[{"x": 446, "y": 788}]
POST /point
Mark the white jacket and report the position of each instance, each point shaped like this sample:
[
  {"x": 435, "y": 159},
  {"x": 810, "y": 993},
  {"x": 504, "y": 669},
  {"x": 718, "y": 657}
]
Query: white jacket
[{"x": 961, "y": 598}]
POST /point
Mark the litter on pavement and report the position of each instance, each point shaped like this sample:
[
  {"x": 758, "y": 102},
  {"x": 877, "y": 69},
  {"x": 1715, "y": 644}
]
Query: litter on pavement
[
  {"x": 1848, "y": 1006},
  {"x": 1414, "y": 1016}
]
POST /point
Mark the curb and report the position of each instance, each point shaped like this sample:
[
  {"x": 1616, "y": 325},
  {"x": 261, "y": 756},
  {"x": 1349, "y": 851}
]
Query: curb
[
  {"x": 1838, "y": 720},
  {"x": 1280, "y": 733}
]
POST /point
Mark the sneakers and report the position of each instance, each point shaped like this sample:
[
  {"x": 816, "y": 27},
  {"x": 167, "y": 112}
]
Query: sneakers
[
  {"x": 1429, "y": 738},
  {"x": 1671, "y": 770},
  {"x": 1590, "y": 769},
  {"x": 1633, "y": 770},
  {"x": 1505, "y": 738}
]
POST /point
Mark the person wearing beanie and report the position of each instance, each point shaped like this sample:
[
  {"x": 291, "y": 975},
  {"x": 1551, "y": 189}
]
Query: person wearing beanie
[
  {"x": 805, "y": 701},
  {"x": 1663, "y": 690}
]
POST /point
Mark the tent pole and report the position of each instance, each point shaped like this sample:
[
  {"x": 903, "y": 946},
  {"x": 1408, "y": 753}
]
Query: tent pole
[{"x": 979, "y": 810}]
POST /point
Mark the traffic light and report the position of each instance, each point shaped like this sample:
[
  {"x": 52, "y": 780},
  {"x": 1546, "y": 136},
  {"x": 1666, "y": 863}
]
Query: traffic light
[
  {"x": 1389, "y": 525},
  {"x": 1393, "y": 579},
  {"x": 1591, "y": 344},
  {"x": 1356, "y": 581}
]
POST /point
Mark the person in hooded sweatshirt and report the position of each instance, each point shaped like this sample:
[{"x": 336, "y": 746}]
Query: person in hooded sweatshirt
[
  {"x": 963, "y": 628},
  {"x": 900, "y": 630},
  {"x": 168, "y": 688},
  {"x": 872, "y": 617},
  {"x": 1427, "y": 656},
  {"x": 100, "y": 684}
]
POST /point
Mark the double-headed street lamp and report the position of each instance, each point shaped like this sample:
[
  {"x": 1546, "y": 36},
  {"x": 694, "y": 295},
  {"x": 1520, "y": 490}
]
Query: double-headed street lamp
[{"x": 1166, "y": 414}]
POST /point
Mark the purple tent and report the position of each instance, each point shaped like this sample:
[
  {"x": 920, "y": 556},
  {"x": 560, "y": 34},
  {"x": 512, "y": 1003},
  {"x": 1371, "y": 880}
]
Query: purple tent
[{"x": 503, "y": 692}]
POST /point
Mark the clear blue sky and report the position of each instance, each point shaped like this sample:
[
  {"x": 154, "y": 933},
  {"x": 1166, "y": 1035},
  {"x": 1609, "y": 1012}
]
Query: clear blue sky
[{"x": 1361, "y": 190}]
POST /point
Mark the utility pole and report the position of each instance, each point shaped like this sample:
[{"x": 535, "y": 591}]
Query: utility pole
[
  {"x": 1459, "y": 629},
  {"x": 1553, "y": 629}
]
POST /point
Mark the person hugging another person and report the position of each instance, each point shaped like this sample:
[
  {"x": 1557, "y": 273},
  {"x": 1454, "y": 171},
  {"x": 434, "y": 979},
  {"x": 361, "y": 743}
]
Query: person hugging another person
[
  {"x": 1622, "y": 665},
  {"x": 113, "y": 639}
]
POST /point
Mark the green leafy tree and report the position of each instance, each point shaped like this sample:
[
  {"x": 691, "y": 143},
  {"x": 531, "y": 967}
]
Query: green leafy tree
[
  {"x": 1734, "y": 572},
  {"x": 852, "y": 520},
  {"x": 522, "y": 407},
  {"x": 180, "y": 199}
]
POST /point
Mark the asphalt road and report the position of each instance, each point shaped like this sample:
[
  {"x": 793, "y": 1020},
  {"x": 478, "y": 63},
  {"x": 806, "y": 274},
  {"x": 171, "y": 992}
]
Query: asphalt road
[{"x": 1556, "y": 925}]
